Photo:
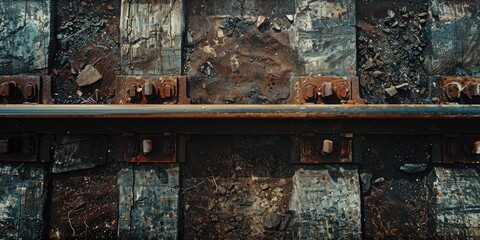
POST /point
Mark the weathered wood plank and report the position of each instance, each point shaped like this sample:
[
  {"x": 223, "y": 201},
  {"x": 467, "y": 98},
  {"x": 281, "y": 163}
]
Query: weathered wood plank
[
  {"x": 455, "y": 39},
  {"x": 151, "y": 37},
  {"x": 455, "y": 203},
  {"x": 22, "y": 199},
  {"x": 323, "y": 34},
  {"x": 327, "y": 203},
  {"x": 79, "y": 152},
  {"x": 24, "y": 35},
  {"x": 148, "y": 202}
]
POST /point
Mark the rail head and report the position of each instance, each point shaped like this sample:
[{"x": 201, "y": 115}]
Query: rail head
[{"x": 241, "y": 111}]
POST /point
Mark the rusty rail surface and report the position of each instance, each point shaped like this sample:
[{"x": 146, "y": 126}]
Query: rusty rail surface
[{"x": 241, "y": 111}]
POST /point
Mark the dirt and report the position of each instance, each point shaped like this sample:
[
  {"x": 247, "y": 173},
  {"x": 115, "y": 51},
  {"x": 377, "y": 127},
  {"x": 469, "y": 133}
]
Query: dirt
[
  {"x": 84, "y": 204},
  {"x": 238, "y": 156},
  {"x": 235, "y": 209},
  {"x": 390, "y": 51},
  {"x": 239, "y": 188},
  {"x": 230, "y": 60},
  {"x": 396, "y": 206},
  {"x": 86, "y": 32}
]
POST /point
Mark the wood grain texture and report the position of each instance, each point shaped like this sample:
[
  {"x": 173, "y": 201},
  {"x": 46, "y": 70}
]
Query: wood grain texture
[
  {"x": 323, "y": 34},
  {"x": 148, "y": 202},
  {"x": 455, "y": 39},
  {"x": 455, "y": 202},
  {"x": 327, "y": 203},
  {"x": 22, "y": 199},
  {"x": 24, "y": 35},
  {"x": 151, "y": 37}
]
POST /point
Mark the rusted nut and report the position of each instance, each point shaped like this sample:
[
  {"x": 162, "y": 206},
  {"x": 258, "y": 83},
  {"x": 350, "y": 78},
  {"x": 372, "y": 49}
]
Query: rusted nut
[
  {"x": 149, "y": 90},
  {"x": 476, "y": 89},
  {"x": 132, "y": 148},
  {"x": 476, "y": 148},
  {"x": 30, "y": 91},
  {"x": 327, "y": 146},
  {"x": 8, "y": 89},
  {"x": 132, "y": 91},
  {"x": 472, "y": 90},
  {"x": 3, "y": 146},
  {"x": 307, "y": 148},
  {"x": 327, "y": 89},
  {"x": 310, "y": 92},
  {"x": 147, "y": 146},
  {"x": 168, "y": 90},
  {"x": 454, "y": 148},
  {"x": 168, "y": 148},
  {"x": 342, "y": 90},
  {"x": 28, "y": 146},
  {"x": 453, "y": 90},
  {"x": 344, "y": 149}
]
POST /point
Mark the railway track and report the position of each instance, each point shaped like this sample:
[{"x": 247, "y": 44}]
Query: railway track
[
  {"x": 177, "y": 152},
  {"x": 215, "y": 119},
  {"x": 243, "y": 111}
]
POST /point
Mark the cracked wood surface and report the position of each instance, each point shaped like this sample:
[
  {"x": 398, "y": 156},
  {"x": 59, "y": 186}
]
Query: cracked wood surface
[
  {"x": 79, "y": 152},
  {"x": 455, "y": 38},
  {"x": 151, "y": 37},
  {"x": 324, "y": 36},
  {"x": 148, "y": 201},
  {"x": 455, "y": 202},
  {"x": 22, "y": 199},
  {"x": 24, "y": 35},
  {"x": 327, "y": 203}
]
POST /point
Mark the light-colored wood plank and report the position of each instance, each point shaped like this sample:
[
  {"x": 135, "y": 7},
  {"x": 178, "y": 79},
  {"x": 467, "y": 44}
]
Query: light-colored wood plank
[
  {"x": 327, "y": 207},
  {"x": 151, "y": 37},
  {"x": 148, "y": 202},
  {"x": 455, "y": 202},
  {"x": 323, "y": 34}
]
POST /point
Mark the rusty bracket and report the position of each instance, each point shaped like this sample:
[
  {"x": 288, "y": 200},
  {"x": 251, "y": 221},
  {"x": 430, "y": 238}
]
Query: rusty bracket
[
  {"x": 461, "y": 149},
  {"x": 143, "y": 148},
  {"x": 25, "y": 89},
  {"x": 151, "y": 90},
  {"x": 324, "y": 90},
  {"x": 325, "y": 148},
  {"x": 355, "y": 95},
  {"x": 463, "y": 90},
  {"x": 18, "y": 147}
]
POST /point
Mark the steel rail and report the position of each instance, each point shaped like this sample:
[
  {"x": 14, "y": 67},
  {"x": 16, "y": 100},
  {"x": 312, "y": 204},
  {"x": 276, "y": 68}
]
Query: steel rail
[{"x": 241, "y": 111}]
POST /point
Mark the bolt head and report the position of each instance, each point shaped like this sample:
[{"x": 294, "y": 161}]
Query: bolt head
[
  {"x": 453, "y": 90},
  {"x": 310, "y": 92},
  {"x": 327, "y": 89},
  {"x": 342, "y": 90},
  {"x": 476, "y": 148},
  {"x": 168, "y": 90},
  {"x": 168, "y": 148},
  {"x": 473, "y": 90},
  {"x": 149, "y": 89},
  {"x": 8, "y": 89},
  {"x": 3, "y": 146},
  {"x": 132, "y": 148},
  {"x": 30, "y": 90},
  {"x": 327, "y": 147},
  {"x": 132, "y": 91},
  {"x": 454, "y": 148},
  {"x": 147, "y": 146},
  {"x": 344, "y": 150},
  {"x": 307, "y": 148}
]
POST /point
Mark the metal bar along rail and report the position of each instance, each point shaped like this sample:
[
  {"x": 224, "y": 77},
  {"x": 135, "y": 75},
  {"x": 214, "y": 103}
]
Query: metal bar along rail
[{"x": 243, "y": 111}]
